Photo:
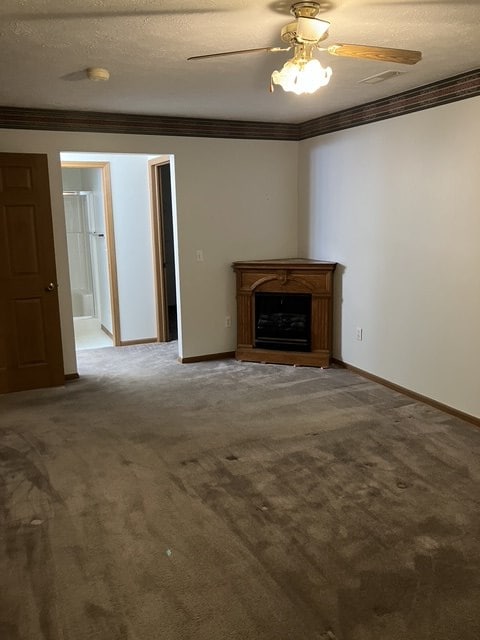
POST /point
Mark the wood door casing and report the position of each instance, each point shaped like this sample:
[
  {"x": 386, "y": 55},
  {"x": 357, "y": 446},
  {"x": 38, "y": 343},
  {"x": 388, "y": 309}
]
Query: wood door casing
[
  {"x": 158, "y": 237},
  {"x": 30, "y": 337}
]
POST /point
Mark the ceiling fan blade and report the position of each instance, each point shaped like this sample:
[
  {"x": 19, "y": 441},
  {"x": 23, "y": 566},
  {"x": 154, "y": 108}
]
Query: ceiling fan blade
[
  {"x": 234, "y": 53},
  {"x": 424, "y": 2},
  {"x": 383, "y": 54}
]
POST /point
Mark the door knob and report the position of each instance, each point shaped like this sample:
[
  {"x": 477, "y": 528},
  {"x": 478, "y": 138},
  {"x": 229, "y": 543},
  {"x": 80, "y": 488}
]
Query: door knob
[{"x": 51, "y": 286}]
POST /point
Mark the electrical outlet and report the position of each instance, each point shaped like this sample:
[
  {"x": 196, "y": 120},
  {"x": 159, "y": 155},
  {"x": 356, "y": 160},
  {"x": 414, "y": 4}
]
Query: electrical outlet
[
  {"x": 228, "y": 322},
  {"x": 359, "y": 333},
  {"x": 199, "y": 254}
]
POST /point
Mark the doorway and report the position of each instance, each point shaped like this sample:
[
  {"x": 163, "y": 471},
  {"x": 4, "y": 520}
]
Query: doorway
[
  {"x": 91, "y": 253},
  {"x": 164, "y": 249}
]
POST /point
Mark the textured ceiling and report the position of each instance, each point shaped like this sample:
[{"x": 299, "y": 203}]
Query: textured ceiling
[{"x": 45, "y": 46}]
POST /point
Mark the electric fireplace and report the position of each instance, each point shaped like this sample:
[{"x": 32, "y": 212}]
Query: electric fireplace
[{"x": 284, "y": 311}]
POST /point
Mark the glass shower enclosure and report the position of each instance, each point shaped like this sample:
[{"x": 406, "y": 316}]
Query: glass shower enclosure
[{"x": 82, "y": 253}]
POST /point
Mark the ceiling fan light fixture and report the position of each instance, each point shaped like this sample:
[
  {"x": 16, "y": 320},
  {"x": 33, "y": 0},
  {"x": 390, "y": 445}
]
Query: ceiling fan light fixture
[{"x": 302, "y": 74}]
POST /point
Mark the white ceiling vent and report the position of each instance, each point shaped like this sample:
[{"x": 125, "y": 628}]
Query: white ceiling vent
[{"x": 381, "y": 77}]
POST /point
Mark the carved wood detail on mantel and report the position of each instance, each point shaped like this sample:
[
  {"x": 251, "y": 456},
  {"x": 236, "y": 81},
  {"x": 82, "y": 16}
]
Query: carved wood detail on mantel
[{"x": 295, "y": 275}]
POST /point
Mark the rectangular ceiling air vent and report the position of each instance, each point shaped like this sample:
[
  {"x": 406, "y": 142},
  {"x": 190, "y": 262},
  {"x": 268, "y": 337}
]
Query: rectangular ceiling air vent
[{"x": 381, "y": 77}]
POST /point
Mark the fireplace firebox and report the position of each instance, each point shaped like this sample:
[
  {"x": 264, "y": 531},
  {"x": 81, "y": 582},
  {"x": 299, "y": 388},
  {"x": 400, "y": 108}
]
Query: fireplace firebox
[
  {"x": 282, "y": 321},
  {"x": 284, "y": 311}
]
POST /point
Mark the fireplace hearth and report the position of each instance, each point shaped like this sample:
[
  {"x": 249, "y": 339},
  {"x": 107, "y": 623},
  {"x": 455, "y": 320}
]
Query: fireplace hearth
[{"x": 284, "y": 311}]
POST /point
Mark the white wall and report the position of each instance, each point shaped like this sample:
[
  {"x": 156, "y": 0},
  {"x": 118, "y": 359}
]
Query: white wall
[
  {"x": 235, "y": 200},
  {"x": 133, "y": 243},
  {"x": 397, "y": 204},
  {"x": 72, "y": 179}
]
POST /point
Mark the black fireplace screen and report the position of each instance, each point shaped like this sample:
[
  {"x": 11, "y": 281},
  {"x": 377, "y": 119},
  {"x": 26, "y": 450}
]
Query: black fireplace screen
[{"x": 282, "y": 321}]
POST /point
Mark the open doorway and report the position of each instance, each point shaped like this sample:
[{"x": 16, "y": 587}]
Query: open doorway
[
  {"x": 163, "y": 248},
  {"x": 142, "y": 246},
  {"x": 91, "y": 253}
]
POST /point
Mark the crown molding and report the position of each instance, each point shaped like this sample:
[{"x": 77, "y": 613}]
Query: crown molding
[
  {"x": 460, "y": 87},
  {"x": 465, "y": 85},
  {"x": 100, "y": 122}
]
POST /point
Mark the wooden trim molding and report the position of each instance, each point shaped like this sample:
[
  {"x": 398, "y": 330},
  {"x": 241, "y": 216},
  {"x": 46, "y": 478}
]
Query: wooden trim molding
[
  {"x": 411, "y": 394},
  {"x": 465, "y": 85},
  {"x": 158, "y": 246},
  {"x": 225, "y": 355},
  {"x": 460, "y": 87},
  {"x": 106, "y": 331},
  {"x": 93, "y": 121},
  {"x": 111, "y": 253}
]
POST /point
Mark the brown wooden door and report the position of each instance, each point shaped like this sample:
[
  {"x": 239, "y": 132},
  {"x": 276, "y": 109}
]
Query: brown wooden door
[{"x": 30, "y": 338}]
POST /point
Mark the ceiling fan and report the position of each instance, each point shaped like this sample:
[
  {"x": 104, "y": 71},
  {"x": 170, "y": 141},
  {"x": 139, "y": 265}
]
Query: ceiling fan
[{"x": 303, "y": 73}]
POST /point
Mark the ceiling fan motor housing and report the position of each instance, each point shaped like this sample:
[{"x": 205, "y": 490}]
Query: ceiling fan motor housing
[{"x": 305, "y": 30}]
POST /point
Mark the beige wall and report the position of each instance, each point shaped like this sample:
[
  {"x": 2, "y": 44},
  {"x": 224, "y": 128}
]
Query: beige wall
[
  {"x": 397, "y": 204},
  {"x": 235, "y": 200}
]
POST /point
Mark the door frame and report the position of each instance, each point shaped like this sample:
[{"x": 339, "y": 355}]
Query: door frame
[
  {"x": 158, "y": 241},
  {"x": 110, "y": 238}
]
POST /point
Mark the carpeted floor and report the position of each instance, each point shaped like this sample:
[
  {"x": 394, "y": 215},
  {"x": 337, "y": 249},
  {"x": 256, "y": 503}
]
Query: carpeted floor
[{"x": 232, "y": 501}]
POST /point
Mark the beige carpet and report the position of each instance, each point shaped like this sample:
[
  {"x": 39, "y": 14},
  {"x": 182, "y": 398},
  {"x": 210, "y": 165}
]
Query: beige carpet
[{"x": 231, "y": 501}]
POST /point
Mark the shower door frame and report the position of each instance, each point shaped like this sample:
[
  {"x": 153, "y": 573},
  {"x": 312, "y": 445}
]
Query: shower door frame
[{"x": 109, "y": 236}]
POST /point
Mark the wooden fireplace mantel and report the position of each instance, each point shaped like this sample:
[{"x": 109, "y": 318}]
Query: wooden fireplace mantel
[{"x": 293, "y": 275}]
